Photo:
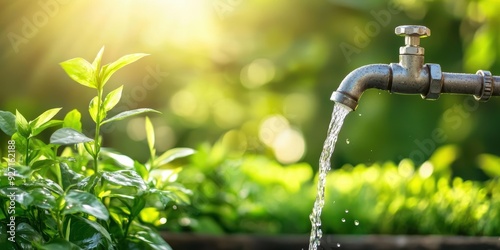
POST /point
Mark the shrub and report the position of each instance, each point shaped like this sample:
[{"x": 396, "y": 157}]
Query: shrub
[
  {"x": 254, "y": 194},
  {"x": 83, "y": 196}
]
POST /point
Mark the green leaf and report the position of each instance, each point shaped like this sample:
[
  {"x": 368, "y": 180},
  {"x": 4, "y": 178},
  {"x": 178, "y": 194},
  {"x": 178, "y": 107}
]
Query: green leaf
[
  {"x": 73, "y": 120},
  {"x": 80, "y": 71},
  {"x": 44, "y": 118},
  {"x": 21, "y": 196},
  {"x": 150, "y": 135},
  {"x": 58, "y": 244},
  {"x": 45, "y": 126},
  {"x": 42, "y": 198},
  {"x": 127, "y": 114},
  {"x": 116, "y": 222},
  {"x": 22, "y": 125},
  {"x": 7, "y": 122},
  {"x": 77, "y": 201},
  {"x": 141, "y": 170},
  {"x": 178, "y": 193},
  {"x": 119, "y": 160},
  {"x": 67, "y": 136},
  {"x": 26, "y": 235},
  {"x": 125, "y": 178},
  {"x": 48, "y": 184},
  {"x": 90, "y": 148},
  {"x": 112, "y": 98},
  {"x": 159, "y": 198},
  {"x": 21, "y": 143},
  {"x": 109, "y": 69},
  {"x": 167, "y": 158},
  {"x": 139, "y": 203},
  {"x": 96, "y": 64},
  {"x": 41, "y": 164},
  {"x": 69, "y": 177},
  {"x": 40, "y": 149},
  {"x": 146, "y": 238},
  {"x": 90, "y": 182},
  {"x": 94, "y": 109},
  {"x": 88, "y": 234}
]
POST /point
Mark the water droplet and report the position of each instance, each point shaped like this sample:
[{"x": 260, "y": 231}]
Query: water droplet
[
  {"x": 338, "y": 244},
  {"x": 359, "y": 114},
  {"x": 333, "y": 202},
  {"x": 347, "y": 141},
  {"x": 346, "y": 211},
  {"x": 174, "y": 207},
  {"x": 343, "y": 220},
  {"x": 356, "y": 223}
]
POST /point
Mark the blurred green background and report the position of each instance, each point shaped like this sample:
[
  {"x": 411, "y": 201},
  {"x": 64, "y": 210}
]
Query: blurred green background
[
  {"x": 257, "y": 75},
  {"x": 247, "y": 83}
]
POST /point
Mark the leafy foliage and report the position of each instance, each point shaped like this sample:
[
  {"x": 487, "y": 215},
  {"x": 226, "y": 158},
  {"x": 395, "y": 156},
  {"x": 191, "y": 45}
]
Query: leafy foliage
[
  {"x": 402, "y": 199},
  {"x": 82, "y": 196},
  {"x": 252, "y": 194},
  {"x": 255, "y": 194}
]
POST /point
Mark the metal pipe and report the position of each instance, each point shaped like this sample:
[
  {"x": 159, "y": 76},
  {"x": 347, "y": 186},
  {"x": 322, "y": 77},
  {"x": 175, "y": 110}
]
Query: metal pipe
[
  {"x": 412, "y": 76},
  {"x": 460, "y": 83},
  {"x": 355, "y": 83}
]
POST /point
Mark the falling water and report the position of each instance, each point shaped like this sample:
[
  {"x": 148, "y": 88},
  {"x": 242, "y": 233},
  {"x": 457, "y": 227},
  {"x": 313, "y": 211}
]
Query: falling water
[{"x": 339, "y": 113}]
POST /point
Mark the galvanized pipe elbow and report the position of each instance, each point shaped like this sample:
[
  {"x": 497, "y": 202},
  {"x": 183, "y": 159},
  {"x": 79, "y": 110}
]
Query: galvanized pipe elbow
[{"x": 363, "y": 78}]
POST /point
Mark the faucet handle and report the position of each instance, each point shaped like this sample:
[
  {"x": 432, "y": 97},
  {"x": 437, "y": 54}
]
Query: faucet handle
[{"x": 412, "y": 34}]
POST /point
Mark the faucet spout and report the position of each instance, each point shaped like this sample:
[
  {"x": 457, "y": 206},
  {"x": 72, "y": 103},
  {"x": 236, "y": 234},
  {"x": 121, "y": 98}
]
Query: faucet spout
[
  {"x": 355, "y": 83},
  {"x": 412, "y": 76}
]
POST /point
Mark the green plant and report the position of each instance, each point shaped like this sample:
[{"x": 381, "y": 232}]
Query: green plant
[
  {"x": 84, "y": 196},
  {"x": 254, "y": 194},
  {"x": 245, "y": 193}
]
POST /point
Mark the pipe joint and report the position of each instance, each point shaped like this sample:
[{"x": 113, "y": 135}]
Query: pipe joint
[
  {"x": 435, "y": 82},
  {"x": 409, "y": 80},
  {"x": 487, "y": 88}
]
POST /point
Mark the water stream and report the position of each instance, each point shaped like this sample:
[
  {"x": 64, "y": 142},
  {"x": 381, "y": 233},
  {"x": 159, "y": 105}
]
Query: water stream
[{"x": 339, "y": 113}]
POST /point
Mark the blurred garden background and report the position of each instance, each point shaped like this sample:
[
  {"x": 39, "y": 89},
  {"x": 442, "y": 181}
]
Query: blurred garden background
[{"x": 247, "y": 83}]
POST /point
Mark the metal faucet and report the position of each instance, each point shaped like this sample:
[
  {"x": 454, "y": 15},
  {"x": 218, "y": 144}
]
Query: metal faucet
[{"x": 412, "y": 76}]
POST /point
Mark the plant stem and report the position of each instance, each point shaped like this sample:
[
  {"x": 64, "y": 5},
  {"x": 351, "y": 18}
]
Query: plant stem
[
  {"x": 58, "y": 175},
  {"x": 97, "y": 145},
  {"x": 127, "y": 226},
  {"x": 58, "y": 170},
  {"x": 26, "y": 160},
  {"x": 59, "y": 221}
]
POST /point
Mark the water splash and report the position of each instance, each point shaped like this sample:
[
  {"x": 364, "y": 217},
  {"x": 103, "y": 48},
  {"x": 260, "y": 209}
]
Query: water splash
[{"x": 338, "y": 116}]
